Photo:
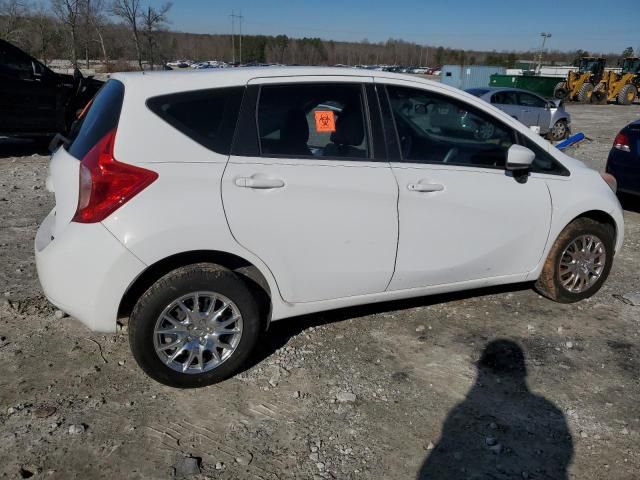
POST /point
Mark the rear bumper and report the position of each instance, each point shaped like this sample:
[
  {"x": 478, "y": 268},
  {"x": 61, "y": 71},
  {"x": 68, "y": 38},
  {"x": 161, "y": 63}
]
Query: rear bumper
[
  {"x": 625, "y": 167},
  {"x": 84, "y": 271}
]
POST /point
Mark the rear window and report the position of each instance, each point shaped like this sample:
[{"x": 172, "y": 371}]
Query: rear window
[
  {"x": 206, "y": 116},
  {"x": 101, "y": 118}
]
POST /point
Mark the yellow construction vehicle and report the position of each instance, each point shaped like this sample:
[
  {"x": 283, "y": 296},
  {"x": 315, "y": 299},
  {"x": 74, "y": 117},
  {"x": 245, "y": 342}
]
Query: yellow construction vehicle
[
  {"x": 620, "y": 87},
  {"x": 581, "y": 84}
]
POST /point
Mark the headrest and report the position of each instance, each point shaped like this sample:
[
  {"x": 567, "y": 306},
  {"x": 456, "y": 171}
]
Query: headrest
[{"x": 349, "y": 128}]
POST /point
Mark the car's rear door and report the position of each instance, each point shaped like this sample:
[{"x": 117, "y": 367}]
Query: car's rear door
[
  {"x": 307, "y": 191},
  {"x": 462, "y": 217}
]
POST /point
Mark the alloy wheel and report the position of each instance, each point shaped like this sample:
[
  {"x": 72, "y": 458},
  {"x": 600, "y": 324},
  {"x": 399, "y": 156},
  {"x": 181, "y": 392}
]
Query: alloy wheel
[
  {"x": 197, "y": 332},
  {"x": 582, "y": 263}
]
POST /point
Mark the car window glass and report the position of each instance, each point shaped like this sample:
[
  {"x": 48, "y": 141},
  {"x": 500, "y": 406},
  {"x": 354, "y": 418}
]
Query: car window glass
[
  {"x": 102, "y": 117},
  {"x": 14, "y": 63},
  {"x": 504, "y": 98},
  {"x": 206, "y": 116},
  {"x": 544, "y": 161},
  {"x": 528, "y": 100},
  {"x": 433, "y": 128},
  {"x": 313, "y": 120}
]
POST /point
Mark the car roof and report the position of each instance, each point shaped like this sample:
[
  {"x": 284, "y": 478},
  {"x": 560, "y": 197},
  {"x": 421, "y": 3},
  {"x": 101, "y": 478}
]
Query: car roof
[
  {"x": 159, "y": 82},
  {"x": 504, "y": 89}
]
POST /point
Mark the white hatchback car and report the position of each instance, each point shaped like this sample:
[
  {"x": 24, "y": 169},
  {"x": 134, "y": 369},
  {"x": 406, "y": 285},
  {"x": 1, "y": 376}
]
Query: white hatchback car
[{"x": 203, "y": 205}]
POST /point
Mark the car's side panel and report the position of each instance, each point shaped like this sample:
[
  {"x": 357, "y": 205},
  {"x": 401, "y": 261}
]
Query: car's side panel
[
  {"x": 482, "y": 224},
  {"x": 180, "y": 212},
  {"x": 587, "y": 192}
]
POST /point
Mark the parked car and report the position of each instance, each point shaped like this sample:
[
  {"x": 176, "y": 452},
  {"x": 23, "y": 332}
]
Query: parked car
[
  {"x": 624, "y": 159},
  {"x": 531, "y": 109},
  {"x": 204, "y": 206},
  {"x": 34, "y": 100}
]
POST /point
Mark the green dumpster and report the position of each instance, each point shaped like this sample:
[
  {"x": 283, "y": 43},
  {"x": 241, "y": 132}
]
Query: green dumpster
[{"x": 541, "y": 85}]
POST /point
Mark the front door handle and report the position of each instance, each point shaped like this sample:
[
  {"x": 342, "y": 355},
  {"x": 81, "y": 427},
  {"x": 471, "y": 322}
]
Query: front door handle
[
  {"x": 259, "y": 182},
  {"x": 425, "y": 187}
]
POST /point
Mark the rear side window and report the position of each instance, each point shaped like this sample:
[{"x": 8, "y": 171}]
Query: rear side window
[
  {"x": 206, "y": 116},
  {"x": 102, "y": 117},
  {"x": 313, "y": 120}
]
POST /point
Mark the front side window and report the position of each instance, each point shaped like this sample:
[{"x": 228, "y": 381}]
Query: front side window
[
  {"x": 434, "y": 128},
  {"x": 528, "y": 100},
  {"x": 313, "y": 120}
]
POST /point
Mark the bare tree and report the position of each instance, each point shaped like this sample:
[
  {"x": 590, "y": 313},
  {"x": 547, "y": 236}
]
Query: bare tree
[
  {"x": 12, "y": 13},
  {"x": 68, "y": 12},
  {"x": 46, "y": 32},
  {"x": 95, "y": 11},
  {"x": 129, "y": 12},
  {"x": 152, "y": 20}
]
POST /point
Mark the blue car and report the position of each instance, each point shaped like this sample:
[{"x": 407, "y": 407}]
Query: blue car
[{"x": 624, "y": 159}]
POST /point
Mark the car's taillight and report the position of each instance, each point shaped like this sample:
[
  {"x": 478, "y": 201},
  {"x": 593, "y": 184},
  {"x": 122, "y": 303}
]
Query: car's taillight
[
  {"x": 622, "y": 142},
  {"x": 105, "y": 183}
]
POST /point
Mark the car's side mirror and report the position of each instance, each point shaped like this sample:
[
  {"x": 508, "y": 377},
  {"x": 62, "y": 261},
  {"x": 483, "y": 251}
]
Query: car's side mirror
[
  {"x": 519, "y": 158},
  {"x": 37, "y": 72}
]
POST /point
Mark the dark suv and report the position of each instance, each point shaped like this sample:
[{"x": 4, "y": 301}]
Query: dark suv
[{"x": 34, "y": 100}]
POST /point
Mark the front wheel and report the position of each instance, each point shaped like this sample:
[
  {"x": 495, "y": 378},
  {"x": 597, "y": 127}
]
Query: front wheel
[
  {"x": 195, "y": 326},
  {"x": 559, "y": 131},
  {"x": 579, "y": 261},
  {"x": 585, "y": 92}
]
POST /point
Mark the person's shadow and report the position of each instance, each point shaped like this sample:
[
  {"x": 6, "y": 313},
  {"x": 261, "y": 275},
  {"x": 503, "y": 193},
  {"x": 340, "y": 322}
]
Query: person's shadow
[{"x": 501, "y": 430}]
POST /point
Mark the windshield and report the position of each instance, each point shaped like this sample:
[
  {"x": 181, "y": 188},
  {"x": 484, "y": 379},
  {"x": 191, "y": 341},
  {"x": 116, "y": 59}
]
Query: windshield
[
  {"x": 589, "y": 66},
  {"x": 631, "y": 65}
]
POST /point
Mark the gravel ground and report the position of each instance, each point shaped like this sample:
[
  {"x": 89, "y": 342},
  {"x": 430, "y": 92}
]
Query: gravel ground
[{"x": 491, "y": 384}]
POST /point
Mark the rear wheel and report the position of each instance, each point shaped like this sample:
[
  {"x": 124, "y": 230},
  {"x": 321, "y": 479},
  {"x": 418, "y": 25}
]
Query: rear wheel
[
  {"x": 627, "y": 94},
  {"x": 579, "y": 261},
  {"x": 585, "y": 92},
  {"x": 195, "y": 326},
  {"x": 561, "y": 91}
]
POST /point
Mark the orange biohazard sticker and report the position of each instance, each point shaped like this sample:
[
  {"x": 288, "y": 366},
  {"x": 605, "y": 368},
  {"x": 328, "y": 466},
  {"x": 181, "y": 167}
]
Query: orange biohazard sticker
[{"x": 325, "y": 121}]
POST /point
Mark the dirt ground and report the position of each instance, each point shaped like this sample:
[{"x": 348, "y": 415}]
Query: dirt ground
[{"x": 491, "y": 384}]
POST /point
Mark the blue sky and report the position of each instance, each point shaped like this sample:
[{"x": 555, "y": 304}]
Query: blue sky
[{"x": 490, "y": 24}]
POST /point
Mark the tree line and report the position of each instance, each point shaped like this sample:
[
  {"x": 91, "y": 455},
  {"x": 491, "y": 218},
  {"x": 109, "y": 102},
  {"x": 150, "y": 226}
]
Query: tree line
[{"x": 124, "y": 30}]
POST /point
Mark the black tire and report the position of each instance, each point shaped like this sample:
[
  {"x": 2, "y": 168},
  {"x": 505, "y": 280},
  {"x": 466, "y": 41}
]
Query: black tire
[
  {"x": 175, "y": 284},
  {"x": 599, "y": 97},
  {"x": 627, "y": 95},
  {"x": 550, "y": 285},
  {"x": 561, "y": 91},
  {"x": 559, "y": 131},
  {"x": 584, "y": 94}
]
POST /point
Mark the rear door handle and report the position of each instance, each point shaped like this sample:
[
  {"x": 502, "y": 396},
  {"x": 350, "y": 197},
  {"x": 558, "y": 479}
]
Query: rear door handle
[
  {"x": 259, "y": 182},
  {"x": 425, "y": 187}
]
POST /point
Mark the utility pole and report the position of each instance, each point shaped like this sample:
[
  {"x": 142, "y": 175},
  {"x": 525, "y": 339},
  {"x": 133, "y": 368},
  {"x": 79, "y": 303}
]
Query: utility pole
[
  {"x": 240, "y": 17},
  {"x": 233, "y": 42},
  {"x": 544, "y": 36}
]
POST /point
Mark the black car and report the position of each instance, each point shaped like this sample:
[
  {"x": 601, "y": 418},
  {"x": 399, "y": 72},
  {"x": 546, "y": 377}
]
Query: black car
[
  {"x": 34, "y": 100},
  {"x": 624, "y": 159}
]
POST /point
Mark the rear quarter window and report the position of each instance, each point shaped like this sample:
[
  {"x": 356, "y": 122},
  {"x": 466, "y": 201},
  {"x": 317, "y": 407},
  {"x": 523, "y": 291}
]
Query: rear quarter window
[
  {"x": 100, "y": 119},
  {"x": 206, "y": 116}
]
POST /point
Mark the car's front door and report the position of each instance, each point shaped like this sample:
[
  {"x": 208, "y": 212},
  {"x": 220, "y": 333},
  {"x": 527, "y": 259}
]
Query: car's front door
[
  {"x": 27, "y": 93},
  {"x": 462, "y": 216},
  {"x": 306, "y": 194},
  {"x": 534, "y": 111}
]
